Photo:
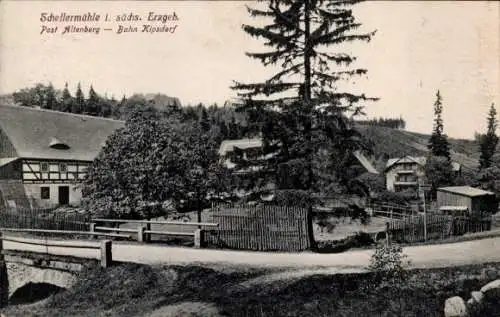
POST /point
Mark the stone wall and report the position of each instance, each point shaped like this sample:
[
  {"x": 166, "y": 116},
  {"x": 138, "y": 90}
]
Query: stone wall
[{"x": 484, "y": 302}]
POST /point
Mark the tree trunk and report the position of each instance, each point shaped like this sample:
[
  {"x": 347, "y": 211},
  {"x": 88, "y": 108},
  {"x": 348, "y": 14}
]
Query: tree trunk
[
  {"x": 308, "y": 126},
  {"x": 200, "y": 210}
]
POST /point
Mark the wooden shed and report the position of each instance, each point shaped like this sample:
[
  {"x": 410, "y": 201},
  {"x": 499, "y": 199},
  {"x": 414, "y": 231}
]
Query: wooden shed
[{"x": 465, "y": 200}]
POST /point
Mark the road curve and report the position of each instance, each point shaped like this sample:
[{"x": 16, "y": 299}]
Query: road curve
[{"x": 439, "y": 255}]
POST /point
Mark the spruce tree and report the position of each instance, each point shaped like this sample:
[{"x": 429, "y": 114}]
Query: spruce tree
[
  {"x": 438, "y": 142},
  {"x": 300, "y": 109},
  {"x": 67, "y": 100},
  {"x": 203, "y": 120},
  {"x": 78, "y": 105},
  {"x": 93, "y": 103},
  {"x": 489, "y": 141}
]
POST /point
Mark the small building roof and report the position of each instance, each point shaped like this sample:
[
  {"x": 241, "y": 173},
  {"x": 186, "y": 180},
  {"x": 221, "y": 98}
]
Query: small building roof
[
  {"x": 46, "y": 134},
  {"x": 229, "y": 145},
  {"x": 465, "y": 191},
  {"x": 365, "y": 162}
]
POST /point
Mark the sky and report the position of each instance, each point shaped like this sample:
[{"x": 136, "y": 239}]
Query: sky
[{"x": 419, "y": 47}]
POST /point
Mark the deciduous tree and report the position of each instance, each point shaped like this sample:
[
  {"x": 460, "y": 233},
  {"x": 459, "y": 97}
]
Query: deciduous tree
[
  {"x": 50, "y": 98},
  {"x": 151, "y": 162},
  {"x": 439, "y": 172}
]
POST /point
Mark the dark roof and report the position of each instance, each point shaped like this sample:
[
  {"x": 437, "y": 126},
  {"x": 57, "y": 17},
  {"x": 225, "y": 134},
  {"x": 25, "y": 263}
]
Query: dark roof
[
  {"x": 47, "y": 134},
  {"x": 465, "y": 191},
  {"x": 420, "y": 160}
]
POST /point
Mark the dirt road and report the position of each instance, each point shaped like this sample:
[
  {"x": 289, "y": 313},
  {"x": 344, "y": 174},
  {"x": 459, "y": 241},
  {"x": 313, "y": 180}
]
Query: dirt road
[{"x": 470, "y": 252}]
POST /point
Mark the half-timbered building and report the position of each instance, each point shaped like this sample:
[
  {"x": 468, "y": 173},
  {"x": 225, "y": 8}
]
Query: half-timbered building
[{"x": 44, "y": 154}]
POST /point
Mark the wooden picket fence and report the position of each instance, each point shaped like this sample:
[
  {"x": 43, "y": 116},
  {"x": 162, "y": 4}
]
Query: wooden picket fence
[
  {"x": 412, "y": 230},
  {"x": 261, "y": 227},
  {"x": 392, "y": 211},
  {"x": 462, "y": 225},
  {"x": 45, "y": 219}
]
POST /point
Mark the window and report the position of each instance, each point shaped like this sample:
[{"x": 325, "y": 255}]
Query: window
[
  {"x": 44, "y": 167},
  {"x": 45, "y": 192},
  {"x": 63, "y": 168},
  {"x": 406, "y": 178}
]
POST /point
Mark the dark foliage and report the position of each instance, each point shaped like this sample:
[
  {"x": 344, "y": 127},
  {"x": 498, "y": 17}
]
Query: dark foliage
[
  {"x": 359, "y": 240},
  {"x": 152, "y": 166},
  {"x": 313, "y": 118},
  {"x": 489, "y": 141},
  {"x": 399, "y": 123},
  {"x": 438, "y": 142}
]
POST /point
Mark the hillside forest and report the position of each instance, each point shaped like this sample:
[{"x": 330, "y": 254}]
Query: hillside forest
[{"x": 383, "y": 138}]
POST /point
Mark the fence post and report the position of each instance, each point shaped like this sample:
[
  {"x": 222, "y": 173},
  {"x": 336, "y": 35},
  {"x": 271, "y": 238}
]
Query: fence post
[
  {"x": 4, "y": 285},
  {"x": 147, "y": 236},
  {"x": 92, "y": 229},
  {"x": 106, "y": 254},
  {"x": 387, "y": 234},
  {"x": 199, "y": 237},
  {"x": 140, "y": 233},
  {"x": 1, "y": 245}
]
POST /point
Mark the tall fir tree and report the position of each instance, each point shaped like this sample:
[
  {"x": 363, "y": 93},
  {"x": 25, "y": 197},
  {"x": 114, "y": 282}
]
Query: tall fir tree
[
  {"x": 92, "y": 103},
  {"x": 489, "y": 141},
  {"x": 78, "y": 106},
  {"x": 203, "y": 120},
  {"x": 300, "y": 109},
  {"x": 66, "y": 100},
  {"x": 438, "y": 142}
]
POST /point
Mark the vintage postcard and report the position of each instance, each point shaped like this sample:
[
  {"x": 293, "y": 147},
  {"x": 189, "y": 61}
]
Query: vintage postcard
[{"x": 249, "y": 158}]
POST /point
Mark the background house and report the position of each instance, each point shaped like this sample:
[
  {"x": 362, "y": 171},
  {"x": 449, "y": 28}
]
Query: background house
[
  {"x": 44, "y": 154},
  {"x": 465, "y": 200},
  {"x": 236, "y": 152},
  {"x": 407, "y": 172},
  {"x": 244, "y": 156}
]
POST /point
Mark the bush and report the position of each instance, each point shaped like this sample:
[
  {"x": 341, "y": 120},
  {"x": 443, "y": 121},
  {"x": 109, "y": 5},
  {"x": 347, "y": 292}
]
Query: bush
[
  {"x": 390, "y": 277},
  {"x": 359, "y": 240},
  {"x": 398, "y": 198}
]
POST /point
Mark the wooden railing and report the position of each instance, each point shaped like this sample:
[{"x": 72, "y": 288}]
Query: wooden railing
[
  {"x": 143, "y": 232},
  {"x": 392, "y": 211},
  {"x": 105, "y": 246}
]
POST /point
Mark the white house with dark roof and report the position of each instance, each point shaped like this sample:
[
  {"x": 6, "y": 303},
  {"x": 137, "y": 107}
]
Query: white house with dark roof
[
  {"x": 407, "y": 172},
  {"x": 44, "y": 154}
]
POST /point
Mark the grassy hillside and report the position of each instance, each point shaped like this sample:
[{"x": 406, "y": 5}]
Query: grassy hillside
[{"x": 395, "y": 143}]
